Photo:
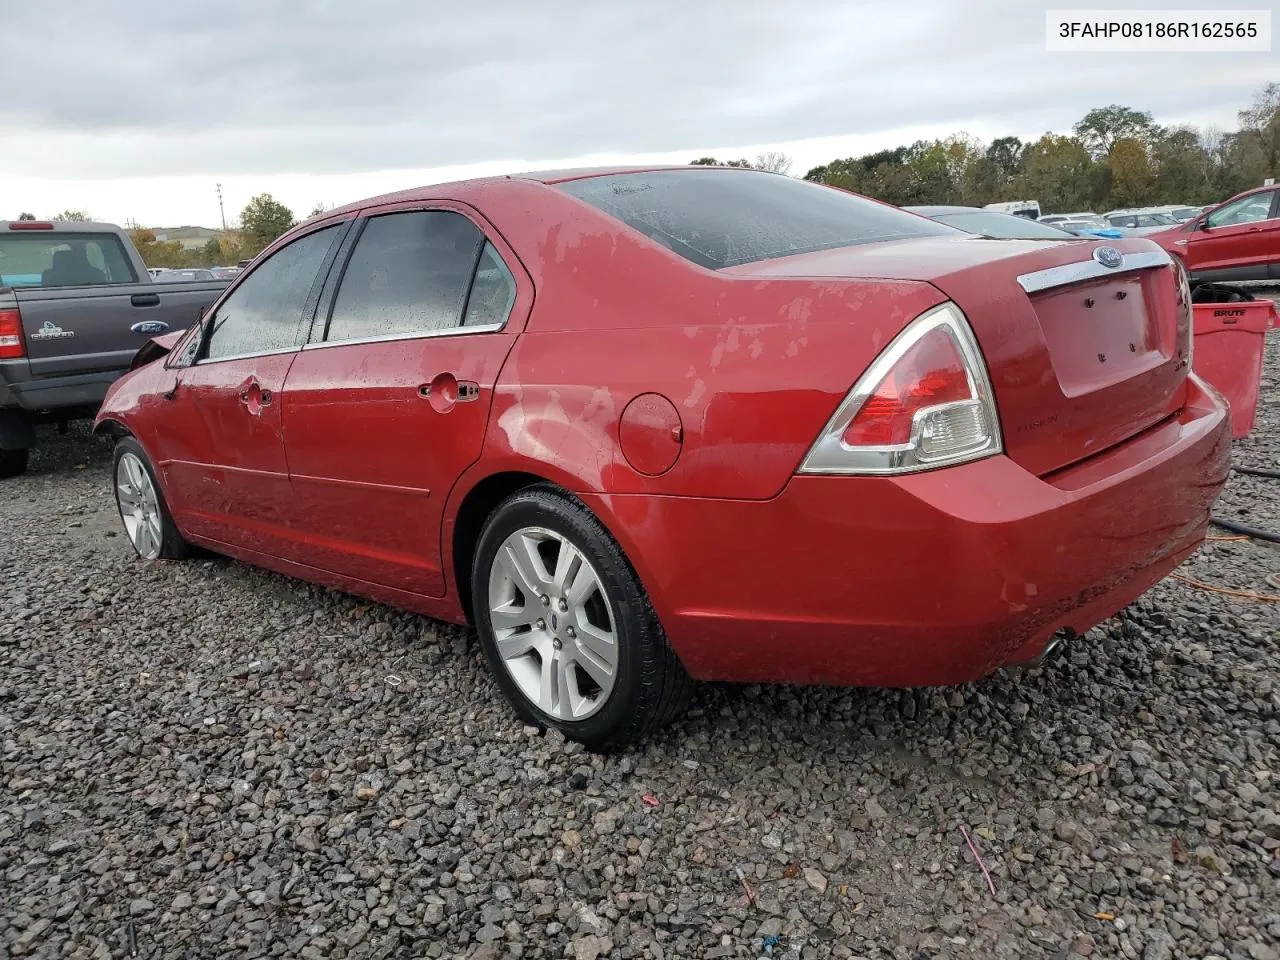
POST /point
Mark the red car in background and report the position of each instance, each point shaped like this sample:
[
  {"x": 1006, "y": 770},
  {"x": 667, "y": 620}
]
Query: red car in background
[
  {"x": 643, "y": 426},
  {"x": 1236, "y": 240}
]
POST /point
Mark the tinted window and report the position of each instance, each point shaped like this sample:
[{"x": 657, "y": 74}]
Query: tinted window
[
  {"x": 1001, "y": 226},
  {"x": 493, "y": 291},
  {"x": 54, "y": 259},
  {"x": 1245, "y": 210},
  {"x": 263, "y": 313},
  {"x": 408, "y": 274},
  {"x": 722, "y": 218}
]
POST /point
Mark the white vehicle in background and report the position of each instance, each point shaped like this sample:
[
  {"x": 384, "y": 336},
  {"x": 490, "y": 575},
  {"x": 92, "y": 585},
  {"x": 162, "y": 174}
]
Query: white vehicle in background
[
  {"x": 1140, "y": 220},
  {"x": 1018, "y": 208},
  {"x": 1061, "y": 217},
  {"x": 1180, "y": 213},
  {"x": 156, "y": 271}
]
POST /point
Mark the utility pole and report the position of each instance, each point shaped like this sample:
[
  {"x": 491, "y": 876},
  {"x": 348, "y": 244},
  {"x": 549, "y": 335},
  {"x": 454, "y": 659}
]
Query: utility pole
[{"x": 221, "y": 210}]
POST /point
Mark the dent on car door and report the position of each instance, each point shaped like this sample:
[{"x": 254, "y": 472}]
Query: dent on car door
[
  {"x": 224, "y": 461},
  {"x": 388, "y": 403}
]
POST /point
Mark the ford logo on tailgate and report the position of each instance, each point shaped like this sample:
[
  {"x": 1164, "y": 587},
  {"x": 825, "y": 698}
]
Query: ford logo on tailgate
[
  {"x": 150, "y": 328},
  {"x": 1108, "y": 256}
]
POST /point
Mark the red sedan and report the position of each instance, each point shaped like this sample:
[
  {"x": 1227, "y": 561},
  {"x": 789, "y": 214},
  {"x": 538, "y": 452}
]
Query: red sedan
[{"x": 643, "y": 426}]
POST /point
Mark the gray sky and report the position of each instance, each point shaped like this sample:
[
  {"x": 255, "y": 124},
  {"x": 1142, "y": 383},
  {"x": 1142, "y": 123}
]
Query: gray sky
[{"x": 135, "y": 110}]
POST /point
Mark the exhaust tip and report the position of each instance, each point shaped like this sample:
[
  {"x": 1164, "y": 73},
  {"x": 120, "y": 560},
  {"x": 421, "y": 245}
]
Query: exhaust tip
[{"x": 1050, "y": 647}]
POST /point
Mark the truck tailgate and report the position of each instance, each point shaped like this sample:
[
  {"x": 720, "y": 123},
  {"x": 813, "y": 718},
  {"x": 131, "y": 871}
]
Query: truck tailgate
[{"x": 70, "y": 330}]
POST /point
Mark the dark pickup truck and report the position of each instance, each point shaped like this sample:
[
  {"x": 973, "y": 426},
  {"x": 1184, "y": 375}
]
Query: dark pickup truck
[{"x": 76, "y": 303}]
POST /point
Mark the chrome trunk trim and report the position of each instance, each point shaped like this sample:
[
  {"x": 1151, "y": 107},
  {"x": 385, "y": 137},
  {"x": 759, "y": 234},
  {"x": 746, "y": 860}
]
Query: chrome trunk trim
[{"x": 1090, "y": 269}]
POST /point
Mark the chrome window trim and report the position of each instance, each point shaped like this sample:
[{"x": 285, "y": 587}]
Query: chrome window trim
[
  {"x": 246, "y": 356},
  {"x": 419, "y": 335},
  {"x": 1090, "y": 270}
]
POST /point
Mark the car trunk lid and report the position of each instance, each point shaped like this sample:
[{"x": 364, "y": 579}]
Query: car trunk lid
[{"x": 1082, "y": 355}]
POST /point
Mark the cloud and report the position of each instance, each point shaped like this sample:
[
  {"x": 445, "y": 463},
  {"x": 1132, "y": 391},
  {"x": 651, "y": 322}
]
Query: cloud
[{"x": 153, "y": 88}]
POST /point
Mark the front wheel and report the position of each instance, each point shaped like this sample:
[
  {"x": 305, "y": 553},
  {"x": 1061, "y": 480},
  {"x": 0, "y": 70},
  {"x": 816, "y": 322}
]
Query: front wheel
[
  {"x": 566, "y": 626},
  {"x": 145, "y": 515}
]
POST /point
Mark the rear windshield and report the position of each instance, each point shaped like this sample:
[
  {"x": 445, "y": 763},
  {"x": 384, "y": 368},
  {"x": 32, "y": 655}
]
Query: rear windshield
[
  {"x": 54, "y": 259},
  {"x": 723, "y": 218}
]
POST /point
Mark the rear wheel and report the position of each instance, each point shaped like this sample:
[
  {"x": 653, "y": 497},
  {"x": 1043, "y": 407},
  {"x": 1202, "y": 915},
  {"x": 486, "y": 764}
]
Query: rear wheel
[
  {"x": 13, "y": 463},
  {"x": 146, "y": 518},
  {"x": 566, "y": 626}
]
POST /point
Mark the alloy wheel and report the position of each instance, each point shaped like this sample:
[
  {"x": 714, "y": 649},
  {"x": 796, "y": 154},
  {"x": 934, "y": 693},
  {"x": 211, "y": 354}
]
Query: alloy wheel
[
  {"x": 139, "y": 506},
  {"x": 553, "y": 623}
]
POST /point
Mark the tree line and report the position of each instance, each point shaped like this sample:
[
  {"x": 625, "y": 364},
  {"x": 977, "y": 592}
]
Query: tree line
[
  {"x": 261, "y": 221},
  {"x": 1116, "y": 156}
]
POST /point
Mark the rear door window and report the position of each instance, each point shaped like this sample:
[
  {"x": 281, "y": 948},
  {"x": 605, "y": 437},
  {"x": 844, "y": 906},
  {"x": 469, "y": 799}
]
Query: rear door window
[
  {"x": 263, "y": 314},
  {"x": 418, "y": 273},
  {"x": 47, "y": 258},
  {"x": 724, "y": 218}
]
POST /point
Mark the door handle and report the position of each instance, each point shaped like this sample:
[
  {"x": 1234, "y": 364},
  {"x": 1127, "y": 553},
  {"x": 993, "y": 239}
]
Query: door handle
[
  {"x": 145, "y": 299},
  {"x": 445, "y": 391},
  {"x": 254, "y": 397}
]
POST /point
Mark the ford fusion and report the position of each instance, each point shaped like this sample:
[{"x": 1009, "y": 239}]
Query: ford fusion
[{"x": 642, "y": 427}]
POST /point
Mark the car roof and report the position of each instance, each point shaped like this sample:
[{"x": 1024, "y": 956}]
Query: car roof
[{"x": 432, "y": 191}]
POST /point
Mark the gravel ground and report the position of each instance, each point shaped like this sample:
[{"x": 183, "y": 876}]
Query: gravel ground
[{"x": 205, "y": 760}]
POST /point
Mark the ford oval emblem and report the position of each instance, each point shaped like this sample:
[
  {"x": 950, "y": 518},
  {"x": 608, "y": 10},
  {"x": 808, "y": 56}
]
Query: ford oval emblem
[
  {"x": 1108, "y": 256},
  {"x": 150, "y": 328}
]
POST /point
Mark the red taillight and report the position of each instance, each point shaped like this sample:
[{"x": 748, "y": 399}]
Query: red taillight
[
  {"x": 31, "y": 225},
  {"x": 925, "y": 402},
  {"x": 12, "y": 346},
  {"x": 931, "y": 373}
]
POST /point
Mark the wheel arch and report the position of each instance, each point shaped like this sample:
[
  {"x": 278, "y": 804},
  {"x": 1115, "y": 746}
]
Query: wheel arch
[
  {"x": 478, "y": 500},
  {"x": 112, "y": 427},
  {"x": 468, "y": 520}
]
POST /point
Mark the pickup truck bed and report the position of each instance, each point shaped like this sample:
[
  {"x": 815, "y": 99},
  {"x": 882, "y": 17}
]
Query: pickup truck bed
[
  {"x": 63, "y": 343},
  {"x": 79, "y": 339}
]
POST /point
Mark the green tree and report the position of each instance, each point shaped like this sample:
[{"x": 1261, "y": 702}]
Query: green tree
[
  {"x": 1056, "y": 171},
  {"x": 212, "y": 252},
  {"x": 1133, "y": 178},
  {"x": 1184, "y": 167},
  {"x": 1005, "y": 157},
  {"x": 156, "y": 253},
  {"x": 73, "y": 216},
  {"x": 1101, "y": 127},
  {"x": 1260, "y": 124},
  {"x": 264, "y": 218},
  {"x": 26, "y": 216},
  {"x": 713, "y": 162}
]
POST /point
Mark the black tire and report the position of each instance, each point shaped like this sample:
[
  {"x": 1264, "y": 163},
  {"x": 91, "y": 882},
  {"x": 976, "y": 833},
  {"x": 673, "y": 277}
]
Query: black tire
[
  {"x": 650, "y": 686},
  {"x": 13, "y": 463},
  {"x": 172, "y": 544}
]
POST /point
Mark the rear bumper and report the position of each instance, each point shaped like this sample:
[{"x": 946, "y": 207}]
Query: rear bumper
[
  {"x": 933, "y": 578},
  {"x": 81, "y": 392}
]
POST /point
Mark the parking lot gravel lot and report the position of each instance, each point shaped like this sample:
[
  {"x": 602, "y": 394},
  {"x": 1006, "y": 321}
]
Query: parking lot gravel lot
[{"x": 204, "y": 760}]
